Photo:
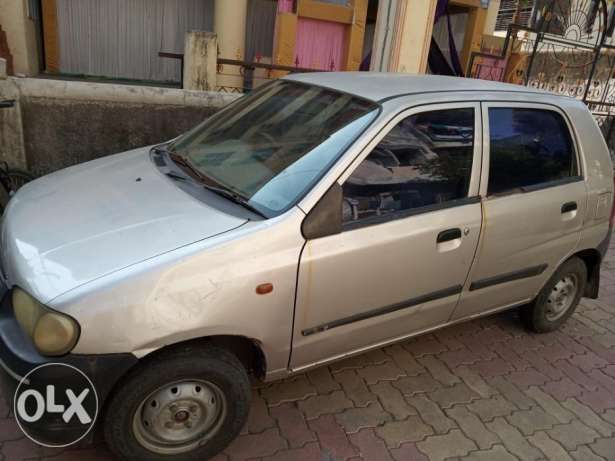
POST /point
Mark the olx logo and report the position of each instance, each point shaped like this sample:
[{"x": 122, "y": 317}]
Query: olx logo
[{"x": 56, "y": 405}]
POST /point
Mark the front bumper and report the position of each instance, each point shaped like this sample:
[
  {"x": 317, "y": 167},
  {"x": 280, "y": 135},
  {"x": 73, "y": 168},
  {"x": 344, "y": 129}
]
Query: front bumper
[{"x": 18, "y": 357}]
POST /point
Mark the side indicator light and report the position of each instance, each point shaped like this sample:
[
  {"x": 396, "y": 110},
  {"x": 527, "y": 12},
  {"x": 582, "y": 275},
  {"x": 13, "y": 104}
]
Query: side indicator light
[{"x": 264, "y": 288}]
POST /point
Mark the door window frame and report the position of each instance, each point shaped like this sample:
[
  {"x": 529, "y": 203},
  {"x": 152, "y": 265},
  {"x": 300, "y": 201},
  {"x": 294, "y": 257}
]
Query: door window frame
[
  {"x": 484, "y": 180},
  {"x": 475, "y": 176}
]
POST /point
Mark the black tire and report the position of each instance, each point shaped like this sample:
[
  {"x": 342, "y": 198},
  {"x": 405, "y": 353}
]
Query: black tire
[
  {"x": 536, "y": 315},
  {"x": 209, "y": 363}
]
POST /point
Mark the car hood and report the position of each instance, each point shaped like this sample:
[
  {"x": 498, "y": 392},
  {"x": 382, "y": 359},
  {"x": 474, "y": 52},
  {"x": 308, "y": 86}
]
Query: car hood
[{"x": 79, "y": 224}]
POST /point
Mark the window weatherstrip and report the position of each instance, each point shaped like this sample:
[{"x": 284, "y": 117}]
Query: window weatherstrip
[
  {"x": 410, "y": 212},
  {"x": 384, "y": 310},
  {"x": 508, "y": 277}
]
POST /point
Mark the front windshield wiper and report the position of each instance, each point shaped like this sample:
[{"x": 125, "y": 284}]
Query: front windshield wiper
[
  {"x": 205, "y": 180},
  {"x": 232, "y": 196}
]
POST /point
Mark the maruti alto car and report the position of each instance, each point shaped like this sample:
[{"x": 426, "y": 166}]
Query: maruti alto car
[{"x": 317, "y": 217}]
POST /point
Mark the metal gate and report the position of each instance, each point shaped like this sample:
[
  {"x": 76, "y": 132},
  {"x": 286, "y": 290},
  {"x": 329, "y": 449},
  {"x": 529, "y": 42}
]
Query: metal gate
[{"x": 567, "y": 48}]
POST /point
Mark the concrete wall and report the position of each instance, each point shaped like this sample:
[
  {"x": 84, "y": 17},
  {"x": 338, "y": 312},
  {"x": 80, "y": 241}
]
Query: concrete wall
[
  {"x": 21, "y": 36},
  {"x": 57, "y": 123}
]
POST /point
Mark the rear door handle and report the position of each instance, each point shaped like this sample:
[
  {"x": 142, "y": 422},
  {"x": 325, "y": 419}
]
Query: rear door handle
[
  {"x": 448, "y": 235},
  {"x": 568, "y": 207}
]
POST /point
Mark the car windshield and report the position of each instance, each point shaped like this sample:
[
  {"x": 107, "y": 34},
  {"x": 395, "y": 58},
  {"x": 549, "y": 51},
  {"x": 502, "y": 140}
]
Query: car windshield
[{"x": 270, "y": 147}]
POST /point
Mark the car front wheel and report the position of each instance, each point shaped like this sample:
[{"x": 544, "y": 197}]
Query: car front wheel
[{"x": 187, "y": 404}]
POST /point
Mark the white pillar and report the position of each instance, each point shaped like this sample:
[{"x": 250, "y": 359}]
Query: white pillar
[
  {"x": 230, "y": 26},
  {"x": 200, "y": 61},
  {"x": 403, "y": 35}
]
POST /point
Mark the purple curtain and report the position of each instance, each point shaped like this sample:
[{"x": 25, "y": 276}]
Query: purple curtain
[{"x": 437, "y": 62}]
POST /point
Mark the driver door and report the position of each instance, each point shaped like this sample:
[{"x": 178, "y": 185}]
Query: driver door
[{"x": 410, "y": 222}]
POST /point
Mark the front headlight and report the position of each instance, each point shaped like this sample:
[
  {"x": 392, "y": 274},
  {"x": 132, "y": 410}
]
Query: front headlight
[{"x": 51, "y": 332}]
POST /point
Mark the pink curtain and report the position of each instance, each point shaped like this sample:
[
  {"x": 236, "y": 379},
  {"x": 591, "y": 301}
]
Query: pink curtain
[{"x": 320, "y": 44}]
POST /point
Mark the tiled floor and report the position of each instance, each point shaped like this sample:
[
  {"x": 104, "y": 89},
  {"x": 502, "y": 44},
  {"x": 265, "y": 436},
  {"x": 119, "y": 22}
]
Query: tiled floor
[{"x": 484, "y": 390}]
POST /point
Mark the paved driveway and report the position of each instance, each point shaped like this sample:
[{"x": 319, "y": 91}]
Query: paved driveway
[{"x": 483, "y": 390}]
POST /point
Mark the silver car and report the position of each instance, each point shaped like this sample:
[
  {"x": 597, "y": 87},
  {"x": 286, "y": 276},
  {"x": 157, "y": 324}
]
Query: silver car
[{"x": 320, "y": 216}]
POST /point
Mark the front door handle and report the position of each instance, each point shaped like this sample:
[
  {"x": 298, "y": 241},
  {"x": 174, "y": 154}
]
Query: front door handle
[
  {"x": 568, "y": 207},
  {"x": 448, "y": 235}
]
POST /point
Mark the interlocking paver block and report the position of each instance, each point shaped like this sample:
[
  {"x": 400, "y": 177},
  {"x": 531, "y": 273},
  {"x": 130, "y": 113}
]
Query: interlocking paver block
[
  {"x": 324, "y": 404},
  {"x": 449, "y": 396},
  {"x": 256, "y": 445},
  {"x": 571, "y": 435},
  {"x": 473, "y": 427},
  {"x": 395, "y": 433},
  {"x": 598, "y": 400},
  {"x": 439, "y": 370},
  {"x": 387, "y": 371},
  {"x": 408, "y": 452},
  {"x": 532, "y": 420},
  {"x": 322, "y": 380},
  {"x": 288, "y": 390},
  {"x": 589, "y": 418},
  {"x": 355, "y": 388},
  {"x": 259, "y": 418},
  {"x": 355, "y": 419},
  {"x": 493, "y": 367},
  {"x": 475, "y": 382},
  {"x": 551, "y": 449},
  {"x": 404, "y": 360},
  {"x": 587, "y": 361},
  {"x": 412, "y": 385},
  {"x": 432, "y": 414},
  {"x": 310, "y": 452},
  {"x": 490, "y": 408},
  {"x": 392, "y": 400},
  {"x": 563, "y": 389},
  {"x": 497, "y": 453},
  {"x": 511, "y": 392},
  {"x": 370, "y": 446},
  {"x": 456, "y": 358},
  {"x": 513, "y": 440},
  {"x": 604, "y": 447},
  {"x": 584, "y": 453},
  {"x": 292, "y": 425},
  {"x": 424, "y": 345},
  {"x": 526, "y": 378},
  {"x": 441, "y": 447},
  {"x": 333, "y": 438},
  {"x": 550, "y": 405}
]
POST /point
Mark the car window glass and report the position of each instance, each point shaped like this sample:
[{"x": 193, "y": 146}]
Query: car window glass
[
  {"x": 528, "y": 147},
  {"x": 426, "y": 159}
]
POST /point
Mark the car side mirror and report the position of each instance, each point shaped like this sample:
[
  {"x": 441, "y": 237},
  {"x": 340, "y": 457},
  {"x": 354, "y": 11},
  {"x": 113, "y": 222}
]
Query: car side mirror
[{"x": 326, "y": 217}]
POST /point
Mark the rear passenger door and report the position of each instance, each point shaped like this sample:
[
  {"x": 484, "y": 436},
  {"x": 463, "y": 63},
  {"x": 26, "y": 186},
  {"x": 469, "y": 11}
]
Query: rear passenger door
[{"x": 534, "y": 201}]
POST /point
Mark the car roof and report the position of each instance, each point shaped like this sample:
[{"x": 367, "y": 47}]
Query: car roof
[{"x": 379, "y": 86}]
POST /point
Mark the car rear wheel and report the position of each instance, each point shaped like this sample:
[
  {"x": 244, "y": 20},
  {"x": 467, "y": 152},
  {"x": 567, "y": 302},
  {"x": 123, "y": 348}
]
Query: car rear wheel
[
  {"x": 188, "y": 404},
  {"x": 558, "y": 299}
]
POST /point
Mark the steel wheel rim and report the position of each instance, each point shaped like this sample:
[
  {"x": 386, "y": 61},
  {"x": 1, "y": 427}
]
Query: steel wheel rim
[
  {"x": 180, "y": 416},
  {"x": 562, "y": 297}
]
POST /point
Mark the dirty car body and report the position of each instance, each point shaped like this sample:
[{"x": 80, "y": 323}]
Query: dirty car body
[{"x": 370, "y": 203}]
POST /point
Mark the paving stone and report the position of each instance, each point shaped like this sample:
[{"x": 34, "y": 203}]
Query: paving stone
[
  {"x": 604, "y": 447},
  {"x": 408, "y": 452},
  {"x": 598, "y": 400},
  {"x": 310, "y": 452},
  {"x": 412, "y": 385},
  {"x": 571, "y": 435},
  {"x": 584, "y": 453},
  {"x": 439, "y": 370},
  {"x": 392, "y": 400},
  {"x": 532, "y": 420},
  {"x": 511, "y": 356},
  {"x": 322, "y": 380},
  {"x": 513, "y": 440},
  {"x": 292, "y": 425},
  {"x": 554, "y": 352},
  {"x": 576, "y": 375},
  {"x": 544, "y": 366},
  {"x": 603, "y": 379},
  {"x": 387, "y": 371},
  {"x": 259, "y": 418},
  {"x": 588, "y": 361},
  {"x": 404, "y": 360},
  {"x": 288, "y": 390},
  {"x": 332, "y": 437},
  {"x": 449, "y": 396},
  {"x": 526, "y": 378},
  {"x": 424, "y": 345},
  {"x": 355, "y": 388},
  {"x": 497, "y": 453},
  {"x": 256, "y": 445},
  {"x": 551, "y": 449},
  {"x": 370, "y": 447},
  {"x": 355, "y": 419},
  {"x": 511, "y": 392},
  {"x": 441, "y": 447},
  {"x": 395, "y": 433},
  {"x": 609, "y": 415},
  {"x": 589, "y": 417},
  {"x": 493, "y": 367},
  {"x": 475, "y": 382},
  {"x": 550, "y": 405},
  {"x": 473, "y": 427},
  {"x": 350, "y": 363},
  {"x": 324, "y": 404},
  {"x": 563, "y": 389},
  {"x": 456, "y": 358},
  {"x": 431, "y": 413},
  {"x": 490, "y": 408}
]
